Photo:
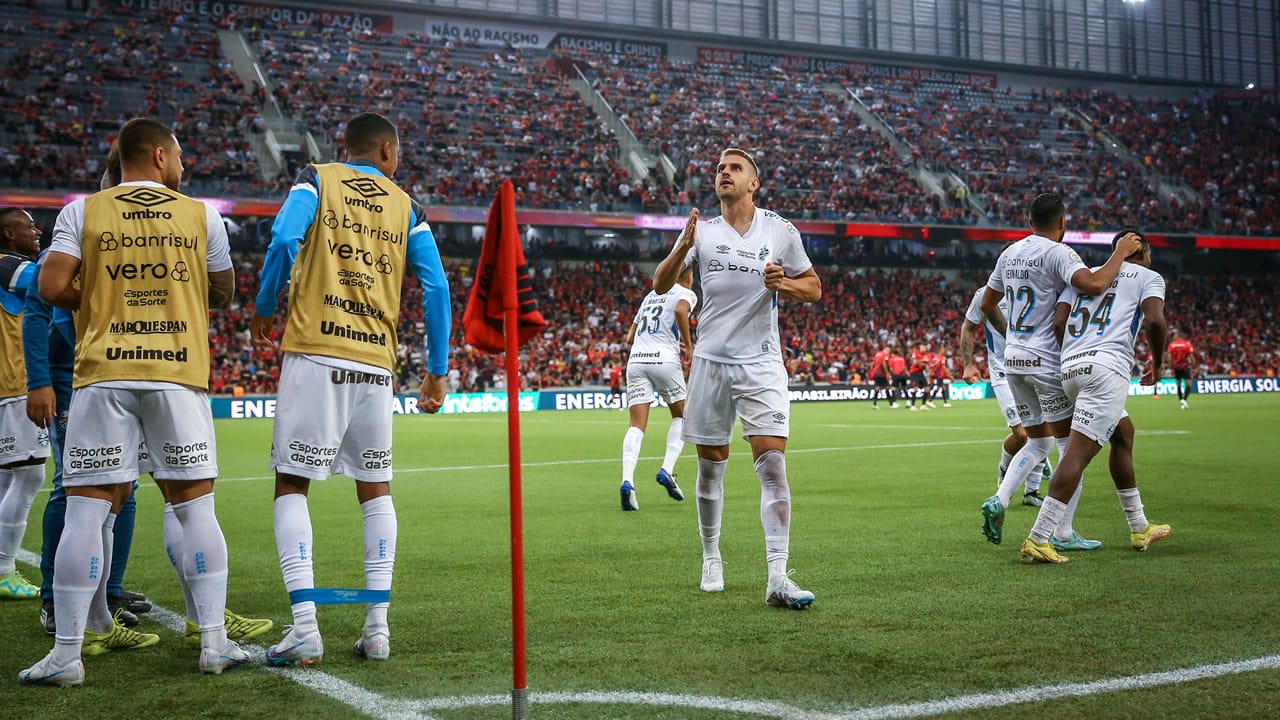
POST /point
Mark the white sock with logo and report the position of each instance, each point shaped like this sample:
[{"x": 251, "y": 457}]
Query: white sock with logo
[
  {"x": 173, "y": 550},
  {"x": 293, "y": 544},
  {"x": 1026, "y": 460},
  {"x": 380, "y": 530},
  {"x": 99, "y": 618},
  {"x": 205, "y": 565},
  {"x": 631, "y": 453},
  {"x": 78, "y": 574},
  {"x": 710, "y": 501},
  {"x": 675, "y": 445}
]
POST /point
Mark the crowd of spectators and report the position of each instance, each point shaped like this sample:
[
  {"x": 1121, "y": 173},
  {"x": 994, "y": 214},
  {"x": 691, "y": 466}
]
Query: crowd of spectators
[{"x": 589, "y": 307}]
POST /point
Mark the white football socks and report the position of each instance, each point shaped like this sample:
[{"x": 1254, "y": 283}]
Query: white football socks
[
  {"x": 1047, "y": 520},
  {"x": 631, "y": 453},
  {"x": 380, "y": 530},
  {"x": 173, "y": 550},
  {"x": 775, "y": 509},
  {"x": 675, "y": 445},
  {"x": 1026, "y": 460},
  {"x": 205, "y": 565},
  {"x": 79, "y": 572},
  {"x": 99, "y": 618},
  {"x": 710, "y": 497},
  {"x": 1131, "y": 501},
  {"x": 293, "y": 544},
  {"x": 18, "y": 487},
  {"x": 1064, "y": 531}
]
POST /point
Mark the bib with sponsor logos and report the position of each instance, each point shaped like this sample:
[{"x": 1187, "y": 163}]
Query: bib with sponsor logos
[
  {"x": 344, "y": 293},
  {"x": 144, "y": 283}
]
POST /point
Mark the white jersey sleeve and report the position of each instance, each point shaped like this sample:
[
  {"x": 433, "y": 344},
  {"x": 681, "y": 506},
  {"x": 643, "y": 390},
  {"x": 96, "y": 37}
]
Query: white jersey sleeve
[
  {"x": 1101, "y": 329},
  {"x": 657, "y": 337},
  {"x": 68, "y": 230}
]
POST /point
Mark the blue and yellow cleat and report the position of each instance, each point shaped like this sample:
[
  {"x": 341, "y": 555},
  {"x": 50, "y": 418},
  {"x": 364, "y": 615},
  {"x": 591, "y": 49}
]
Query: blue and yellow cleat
[
  {"x": 667, "y": 481},
  {"x": 239, "y": 628},
  {"x": 1074, "y": 543},
  {"x": 13, "y": 586},
  {"x": 993, "y": 519},
  {"x": 628, "y": 492}
]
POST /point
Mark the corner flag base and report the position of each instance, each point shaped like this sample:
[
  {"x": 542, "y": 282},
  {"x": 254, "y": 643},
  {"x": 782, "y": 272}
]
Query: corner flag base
[{"x": 520, "y": 704}]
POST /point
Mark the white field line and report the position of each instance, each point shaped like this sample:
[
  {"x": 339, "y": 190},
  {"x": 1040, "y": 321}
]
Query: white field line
[{"x": 383, "y": 708}]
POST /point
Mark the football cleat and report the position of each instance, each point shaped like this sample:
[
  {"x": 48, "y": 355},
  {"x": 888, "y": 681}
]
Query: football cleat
[
  {"x": 628, "y": 492},
  {"x": 1033, "y": 552},
  {"x": 213, "y": 662},
  {"x": 13, "y": 586},
  {"x": 712, "y": 575},
  {"x": 993, "y": 519},
  {"x": 1074, "y": 543},
  {"x": 239, "y": 628},
  {"x": 374, "y": 645},
  {"x": 122, "y": 615},
  {"x": 782, "y": 591},
  {"x": 1153, "y": 534},
  {"x": 297, "y": 648},
  {"x": 46, "y": 673},
  {"x": 1182, "y": 404},
  {"x": 666, "y": 480},
  {"x": 1031, "y": 498},
  {"x": 134, "y": 602},
  {"x": 118, "y": 637}
]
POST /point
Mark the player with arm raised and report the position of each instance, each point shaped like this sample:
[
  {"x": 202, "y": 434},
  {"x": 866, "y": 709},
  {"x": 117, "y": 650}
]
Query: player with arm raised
[
  {"x": 1098, "y": 330},
  {"x": 343, "y": 239},
  {"x": 745, "y": 259},
  {"x": 660, "y": 341},
  {"x": 973, "y": 320},
  {"x": 1030, "y": 275}
]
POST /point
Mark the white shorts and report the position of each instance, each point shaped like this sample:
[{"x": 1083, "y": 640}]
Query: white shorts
[
  {"x": 1099, "y": 394},
  {"x": 20, "y": 439},
  {"x": 331, "y": 421},
  {"x": 756, "y": 393},
  {"x": 1004, "y": 399},
  {"x": 645, "y": 381},
  {"x": 107, "y": 426},
  {"x": 1039, "y": 398}
]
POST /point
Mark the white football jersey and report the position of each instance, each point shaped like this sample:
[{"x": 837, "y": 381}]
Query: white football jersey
[
  {"x": 738, "y": 323},
  {"x": 1032, "y": 273},
  {"x": 995, "y": 341},
  {"x": 1102, "y": 329},
  {"x": 657, "y": 335}
]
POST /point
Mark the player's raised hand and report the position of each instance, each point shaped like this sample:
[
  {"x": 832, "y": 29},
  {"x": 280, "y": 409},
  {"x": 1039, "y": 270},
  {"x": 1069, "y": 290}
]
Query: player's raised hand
[
  {"x": 431, "y": 396},
  {"x": 773, "y": 277},
  {"x": 690, "y": 232},
  {"x": 260, "y": 332},
  {"x": 1129, "y": 244}
]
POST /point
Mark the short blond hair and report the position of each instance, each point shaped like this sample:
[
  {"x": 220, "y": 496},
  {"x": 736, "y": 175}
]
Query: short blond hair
[{"x": 739, "y": 152}]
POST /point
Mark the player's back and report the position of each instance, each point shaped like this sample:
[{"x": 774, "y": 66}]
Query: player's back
[
  {"x": 877, "y": 364},
  {"x": 1102, "y": 329},
  {"x": 657, "y": 338},
  {"x": 1180, "y": 353},
  {"x": 1032, "y": 273}
]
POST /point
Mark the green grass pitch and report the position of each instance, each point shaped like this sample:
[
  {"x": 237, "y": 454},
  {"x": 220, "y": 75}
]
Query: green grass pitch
[{"x": 912, "y": 604}]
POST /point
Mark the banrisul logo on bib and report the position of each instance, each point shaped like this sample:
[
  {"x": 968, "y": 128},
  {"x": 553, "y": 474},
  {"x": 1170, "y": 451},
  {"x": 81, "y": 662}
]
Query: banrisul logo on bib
[{"x": 147, "y": 200}]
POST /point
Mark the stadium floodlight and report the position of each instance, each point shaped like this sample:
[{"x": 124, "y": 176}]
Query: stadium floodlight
[{"x": 1249, "y": 86}]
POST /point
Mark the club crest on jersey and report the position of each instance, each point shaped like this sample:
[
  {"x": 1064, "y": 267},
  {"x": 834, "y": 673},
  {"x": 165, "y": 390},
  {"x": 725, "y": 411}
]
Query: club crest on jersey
[{"x": 764, "y": 253}]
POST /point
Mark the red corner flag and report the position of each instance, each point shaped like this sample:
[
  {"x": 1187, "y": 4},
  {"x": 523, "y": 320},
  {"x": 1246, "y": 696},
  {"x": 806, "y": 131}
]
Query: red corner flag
[
  {"x": 501, "y": 316},
  {"x": 501, "y": 282}
]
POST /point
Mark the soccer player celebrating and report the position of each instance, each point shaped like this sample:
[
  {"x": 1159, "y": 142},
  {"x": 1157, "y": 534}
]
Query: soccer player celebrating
[
  {"x": 141, "y": 263},
  {"x": 1030, "y": 275},
  {"x": 920, "y": 359},
  {"x": 1181, "y": 356},
  {"x": 898, "y": 371},
  {"x": 660, "y": 341},
  {"x": 1098, "y": 332},
  {"x": 25, "y": 447},
  {"x": 343, "y": 239},
  {"x": 973, "y": 318},
  {"x": 745, "y": 258}
]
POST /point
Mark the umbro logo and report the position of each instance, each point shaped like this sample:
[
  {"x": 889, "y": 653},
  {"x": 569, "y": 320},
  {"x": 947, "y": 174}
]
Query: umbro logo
[
  {"x": 367, "y": 187},
  {"x": 722, "y": 249},
  {"x": 146, "y": 197}
]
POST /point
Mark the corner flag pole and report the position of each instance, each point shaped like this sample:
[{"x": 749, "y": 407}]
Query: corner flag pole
[{"x": 510, "y": 305}]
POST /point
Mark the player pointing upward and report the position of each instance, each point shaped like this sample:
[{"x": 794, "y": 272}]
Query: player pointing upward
[{"x": 745, "y": 258}]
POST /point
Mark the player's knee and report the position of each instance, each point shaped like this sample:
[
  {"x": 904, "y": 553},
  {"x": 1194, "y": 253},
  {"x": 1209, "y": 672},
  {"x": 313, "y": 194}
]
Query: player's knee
[{"x": 771, "y": 468}]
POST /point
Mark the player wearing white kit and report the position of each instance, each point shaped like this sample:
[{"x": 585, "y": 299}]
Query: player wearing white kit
[
  {"x": 1030, "y": 275},
  {"x": 1098, "y": 331},
  {"x": 974, "y": 319},
  {"x": 141, "y": 263},
  {"x": 744, "y": 259},
  {"x": 342, "y": 241},
  {"x": 660, "y": 341}
]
